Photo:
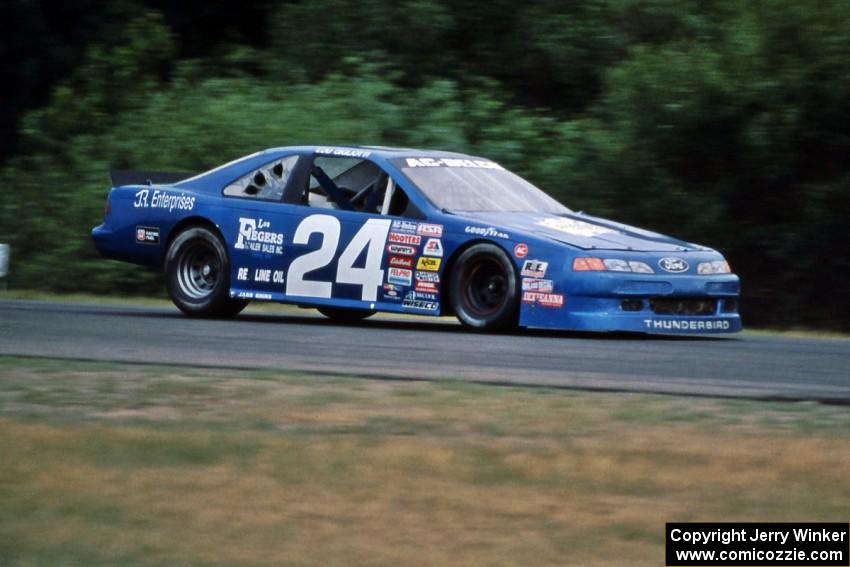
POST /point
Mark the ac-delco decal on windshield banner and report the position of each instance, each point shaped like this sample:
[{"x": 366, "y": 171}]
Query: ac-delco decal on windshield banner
[{"x": 452, "y": 162}]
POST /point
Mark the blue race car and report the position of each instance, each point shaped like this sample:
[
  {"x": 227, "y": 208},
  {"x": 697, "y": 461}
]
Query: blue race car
[{"x": 355, "y": 230}]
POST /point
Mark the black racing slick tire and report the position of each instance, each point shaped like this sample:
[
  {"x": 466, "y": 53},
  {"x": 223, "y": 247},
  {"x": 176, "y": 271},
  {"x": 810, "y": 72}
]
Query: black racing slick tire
[
  {"x": 345, "y": 315},
  {"x": 197, "y": 272},
  {"x": 484, "y": 288}
]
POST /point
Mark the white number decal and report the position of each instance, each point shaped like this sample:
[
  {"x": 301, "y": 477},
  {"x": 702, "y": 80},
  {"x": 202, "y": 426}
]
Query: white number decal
[
  {"x": 328, "y": 227},
  {"x": 371, "y": 237},
  {"x": 373, "y": 234}
]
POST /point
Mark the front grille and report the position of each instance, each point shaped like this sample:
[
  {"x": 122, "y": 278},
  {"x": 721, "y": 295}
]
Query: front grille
[
  {"x": 683, "y": 306},
  {"x": 631, "y": 305}
]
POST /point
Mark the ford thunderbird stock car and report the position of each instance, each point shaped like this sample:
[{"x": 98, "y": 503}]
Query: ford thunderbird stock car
[{"x": 356, "y": 230}]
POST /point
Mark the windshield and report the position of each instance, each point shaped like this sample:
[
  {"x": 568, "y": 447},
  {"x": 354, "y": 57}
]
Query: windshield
[{"x": 465, "y": 185}]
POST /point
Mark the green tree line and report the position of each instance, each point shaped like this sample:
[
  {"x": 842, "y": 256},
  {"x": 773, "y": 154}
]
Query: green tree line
[{"x": 723, "y": 122}]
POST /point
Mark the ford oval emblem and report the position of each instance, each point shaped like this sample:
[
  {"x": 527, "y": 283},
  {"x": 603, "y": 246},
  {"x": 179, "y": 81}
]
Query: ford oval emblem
[{"x": 674, "y": 265}]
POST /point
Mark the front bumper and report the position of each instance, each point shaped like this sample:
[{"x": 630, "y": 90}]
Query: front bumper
[{"x": 625, "y": 302}]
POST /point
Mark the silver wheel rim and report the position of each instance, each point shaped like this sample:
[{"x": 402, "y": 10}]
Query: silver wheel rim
[{"x": 198, "y": 269}]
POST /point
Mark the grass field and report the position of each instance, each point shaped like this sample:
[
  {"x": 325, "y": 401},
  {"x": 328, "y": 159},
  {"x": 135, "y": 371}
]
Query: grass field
[{"x": 107, "y": 464}]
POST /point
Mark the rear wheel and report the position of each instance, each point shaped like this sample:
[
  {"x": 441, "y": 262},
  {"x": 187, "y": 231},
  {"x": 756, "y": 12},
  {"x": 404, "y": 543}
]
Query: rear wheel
[
  {"x": 197, "y": 271},
  {"x": 343, "y": 314},
  {"x": 483, "y": 288}
]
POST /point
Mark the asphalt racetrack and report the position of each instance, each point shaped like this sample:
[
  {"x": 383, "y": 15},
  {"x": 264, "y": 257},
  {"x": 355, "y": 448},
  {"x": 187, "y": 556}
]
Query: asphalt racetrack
[{"x": 421, "y": 348}]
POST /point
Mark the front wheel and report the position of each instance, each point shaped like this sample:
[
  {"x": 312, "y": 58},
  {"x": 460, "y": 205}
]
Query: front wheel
[
  {"x": 483, "y": 288},
  {"x": 197, "y": 272}
]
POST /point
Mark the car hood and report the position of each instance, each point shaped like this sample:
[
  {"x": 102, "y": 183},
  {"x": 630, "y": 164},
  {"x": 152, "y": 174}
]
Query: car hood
[{"x": 583, "y": 231}]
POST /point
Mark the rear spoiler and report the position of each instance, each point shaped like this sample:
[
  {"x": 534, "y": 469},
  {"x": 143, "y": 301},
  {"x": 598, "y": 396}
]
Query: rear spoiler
[{"x": 128, "y": 177}]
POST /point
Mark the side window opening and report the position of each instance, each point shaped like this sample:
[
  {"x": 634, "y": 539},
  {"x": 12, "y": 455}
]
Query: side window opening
[
  {"x": 354, "y": 184},
  {"x": 265, "y": 183},
  {"x": 399, "y": 205}
]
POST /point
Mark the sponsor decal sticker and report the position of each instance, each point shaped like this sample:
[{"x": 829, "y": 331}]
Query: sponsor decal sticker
[
  {"x": 252, "y": 295},
  {"x": 673, "y": 265},
  {"x": 147, "y": 235},
  {"x": 574, "y": 227},
  {"x": 428, "y": 264},
  {"x": 402, "y": 249},
  {"x": 685, "y": 325},
  {"x": 253, "y": 236},
  {"x": 400, "y": 276},
  {"x": 165, "y": 200},
  {"x": 426, "y": 229},
  {"x": 534, "y": 268},
  {"x": 426, "y": 287},
  {"x": 401, "y": 262},
  {"x": 408, "y": 227},
  {"x": 433, "y": 247},
  {"x": 409, "y": 239},
  {"x": 428, "y": 277},
  {"x": 543, "y": 299},
  {"x": 422, "y": 295},
  {"x": 535, "y": 284},
  {"x": 486, "y": 231},
  {"x": 452, "y": 162},
  {"x": 521, "y": 250},
  {"x": 392, "y": 292},
  {"x": 264, "y": 275},
  {"x": 344, "y": 152},
  {"x": 412, "y": 302}
]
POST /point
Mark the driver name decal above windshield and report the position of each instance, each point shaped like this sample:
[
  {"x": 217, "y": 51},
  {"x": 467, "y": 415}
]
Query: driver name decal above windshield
[
  {"x": 452, "y": 162},
  {"x": 344, "y": 152},
  {"x": 574, "y": 227}
]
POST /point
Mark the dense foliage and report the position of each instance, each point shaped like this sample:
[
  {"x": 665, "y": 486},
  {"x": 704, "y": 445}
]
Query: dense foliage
[{"x": 725, "y": 122}]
